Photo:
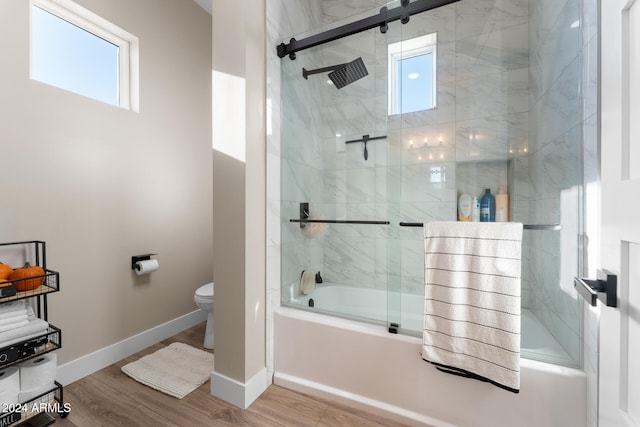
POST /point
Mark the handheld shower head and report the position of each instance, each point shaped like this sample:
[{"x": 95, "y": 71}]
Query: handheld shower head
[{"x": 343, "y": 74}]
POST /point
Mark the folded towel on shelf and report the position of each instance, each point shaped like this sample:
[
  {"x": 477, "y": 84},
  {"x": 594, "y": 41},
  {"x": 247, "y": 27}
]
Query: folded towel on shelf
[
  {"x": 14, "y": 319},
  {"x": 13, "y": 308},
  {"x": 34, "y": 328},
  {"x": 472, "y": 300},
  {"x": 17, "y": 321},
  {"x": 14, "y": 313},
  {"x": 15, "y": 325}
]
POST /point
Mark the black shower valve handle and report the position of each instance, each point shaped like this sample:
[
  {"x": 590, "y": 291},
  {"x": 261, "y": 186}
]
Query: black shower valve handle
[{"x": 365, "y": 139}]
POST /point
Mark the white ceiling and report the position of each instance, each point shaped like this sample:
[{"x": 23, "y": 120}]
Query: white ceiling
[{"x": 205, "y": 4}]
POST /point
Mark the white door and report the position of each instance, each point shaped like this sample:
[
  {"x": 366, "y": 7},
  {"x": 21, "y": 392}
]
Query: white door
[{"x": 619, "y": 364}]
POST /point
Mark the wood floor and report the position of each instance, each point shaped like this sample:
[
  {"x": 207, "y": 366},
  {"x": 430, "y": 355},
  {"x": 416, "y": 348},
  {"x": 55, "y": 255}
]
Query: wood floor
[{"x": 110, "y": 398}]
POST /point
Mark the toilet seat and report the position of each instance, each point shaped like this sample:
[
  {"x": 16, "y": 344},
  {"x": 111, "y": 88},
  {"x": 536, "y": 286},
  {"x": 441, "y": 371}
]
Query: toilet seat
[{"x": 205, "y": 291}]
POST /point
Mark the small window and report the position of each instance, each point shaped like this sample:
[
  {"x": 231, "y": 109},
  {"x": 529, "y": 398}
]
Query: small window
[
  {"x": 76, "y": 50},
  {"x": 412, "y": 75}
]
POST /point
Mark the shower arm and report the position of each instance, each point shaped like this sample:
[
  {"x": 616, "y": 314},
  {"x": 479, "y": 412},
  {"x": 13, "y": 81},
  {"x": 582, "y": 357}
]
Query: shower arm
[
  {"x": 381, "y": 20},
  {"x": 306, "y": 73}
]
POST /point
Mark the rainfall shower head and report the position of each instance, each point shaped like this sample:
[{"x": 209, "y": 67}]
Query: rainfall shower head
[
  {"x": 342, "y": 74},
  {"x": 349, "y": 73}
]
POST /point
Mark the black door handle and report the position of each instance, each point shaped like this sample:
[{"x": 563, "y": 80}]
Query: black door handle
[{"x": 604, "y": 288}]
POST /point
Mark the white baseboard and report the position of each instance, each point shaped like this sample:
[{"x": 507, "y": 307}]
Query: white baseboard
[
  {"x": 92, "y": 362},
  {"x": 313, "y": 388},
  {"x": 236, "y": 393}
]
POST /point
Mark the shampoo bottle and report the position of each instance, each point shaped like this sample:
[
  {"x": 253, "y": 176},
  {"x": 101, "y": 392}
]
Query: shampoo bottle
[
  {"x": 475, "y": 210},
  {"x": 464, "y": 208},
  {"x": 487, "y": 207},
  {"x": 502, "y": 206}
]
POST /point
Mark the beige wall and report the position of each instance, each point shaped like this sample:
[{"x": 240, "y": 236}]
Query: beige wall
[
  {"x": 256, "y": 188},
  {"x": 239, "y": 188},
  {"x": 100, "y": 184}
]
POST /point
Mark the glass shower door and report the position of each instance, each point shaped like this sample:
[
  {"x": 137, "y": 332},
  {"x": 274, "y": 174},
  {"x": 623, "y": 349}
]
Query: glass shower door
[
  {"x": 451, "y": 103},
  {"x": 421, "y": 169},
  {"x": 333, "y": 158}
]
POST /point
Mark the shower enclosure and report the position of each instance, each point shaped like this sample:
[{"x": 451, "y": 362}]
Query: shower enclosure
[{"x": 391, "y": 126}]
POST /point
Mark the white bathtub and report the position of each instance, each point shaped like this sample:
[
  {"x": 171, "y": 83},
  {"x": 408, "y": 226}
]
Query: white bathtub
[
  {"x": 342, "y": 359},
  {"x": 406, "y": 309}
]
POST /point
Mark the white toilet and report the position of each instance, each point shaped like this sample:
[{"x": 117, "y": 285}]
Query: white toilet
[{"x": 204, "y": 299}]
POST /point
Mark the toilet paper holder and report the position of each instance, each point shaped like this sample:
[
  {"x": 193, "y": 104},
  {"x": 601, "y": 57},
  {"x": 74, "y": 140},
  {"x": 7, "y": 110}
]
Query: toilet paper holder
[{"x": 136, "y": 258}]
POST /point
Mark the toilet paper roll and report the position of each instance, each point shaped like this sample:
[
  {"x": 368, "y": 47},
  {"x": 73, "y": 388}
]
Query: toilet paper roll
[
  {"x": 146, "y": 267},
  {"x": 26, "y": 395},
  {"x": 38, "y": 372},
  {"x": 9, "y": 385}
]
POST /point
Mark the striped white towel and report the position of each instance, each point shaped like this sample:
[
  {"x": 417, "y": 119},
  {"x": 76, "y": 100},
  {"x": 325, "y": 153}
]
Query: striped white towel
[{"x": 472, "y": 300}]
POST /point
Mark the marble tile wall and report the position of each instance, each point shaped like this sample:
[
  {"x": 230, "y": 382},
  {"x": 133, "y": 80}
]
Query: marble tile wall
[
  {"x": 482, "y": 91},
  {"x": 479, "y": 127}
]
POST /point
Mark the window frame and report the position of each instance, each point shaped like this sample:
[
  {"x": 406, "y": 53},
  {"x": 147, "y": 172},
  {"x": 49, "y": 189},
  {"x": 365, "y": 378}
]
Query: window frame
[
  {"x": 406, "y": 49},
  {"x": 128, "y": 44}
]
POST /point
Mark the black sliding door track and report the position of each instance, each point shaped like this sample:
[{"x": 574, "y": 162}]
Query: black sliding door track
[{"x": 380, "y": 20}]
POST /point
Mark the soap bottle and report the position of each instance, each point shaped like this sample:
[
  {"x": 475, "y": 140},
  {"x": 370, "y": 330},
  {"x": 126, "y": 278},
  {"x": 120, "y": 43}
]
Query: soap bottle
[
  {"x": 502, "y": 206},
  {"x": 464, "y": 208},
  {"x": 487, "y": 207},
  {"x": 475, "y": 210}
]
